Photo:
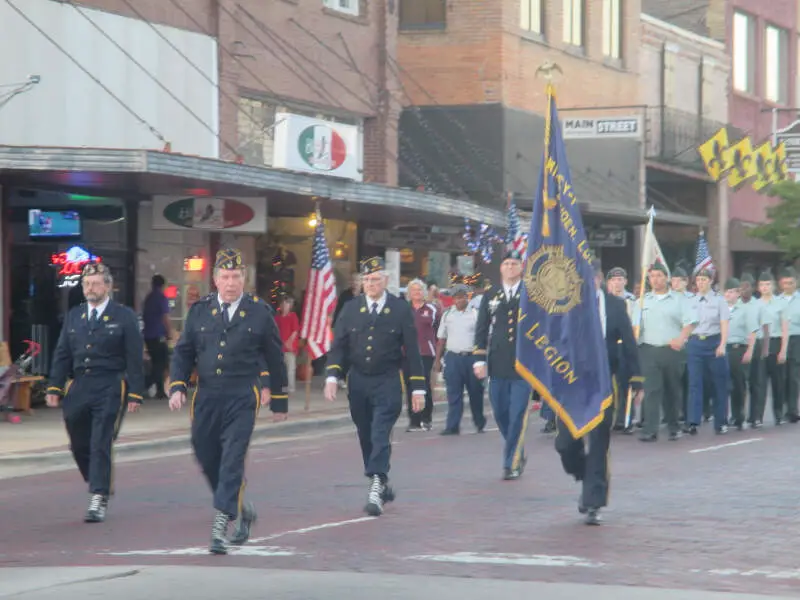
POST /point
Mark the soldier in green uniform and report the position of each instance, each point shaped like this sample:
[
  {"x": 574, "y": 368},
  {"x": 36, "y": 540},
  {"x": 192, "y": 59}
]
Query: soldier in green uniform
[
  {"x": 755, "y": 375},
  {"x": 775, "y": 371},
  {"x": 742, "y": 329},
  {"x": 791, "y": 318}
]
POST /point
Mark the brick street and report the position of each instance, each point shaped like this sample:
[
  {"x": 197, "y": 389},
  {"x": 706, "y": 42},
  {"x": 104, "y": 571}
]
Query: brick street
[{"x": 714, "y": 513}]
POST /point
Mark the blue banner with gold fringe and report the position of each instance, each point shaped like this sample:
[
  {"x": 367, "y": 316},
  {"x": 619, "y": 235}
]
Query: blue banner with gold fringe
[{"x": 561, "y": 350}]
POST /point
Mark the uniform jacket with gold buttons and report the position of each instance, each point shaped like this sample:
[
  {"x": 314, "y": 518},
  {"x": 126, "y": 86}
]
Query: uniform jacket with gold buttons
[
  {"x": 113, "y": 348},
  {"x": 246, "y": 353},
  {"x": 496, "y": 332},
  {"x": 376, "y": 345}
]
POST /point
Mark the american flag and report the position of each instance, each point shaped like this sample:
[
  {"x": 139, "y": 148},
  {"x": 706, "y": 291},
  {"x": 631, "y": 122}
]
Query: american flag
[
  {"x": 320, "y": 296},
  {"x": 514, "y": 237},
  {"x": 703, "y": 258}
]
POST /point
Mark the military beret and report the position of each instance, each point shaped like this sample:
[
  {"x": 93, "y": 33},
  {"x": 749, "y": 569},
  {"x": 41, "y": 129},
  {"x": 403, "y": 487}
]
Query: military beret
[
  {"x": 657, "y": 266},
  {"x": 679, "y": 272},
  {"x": 732, "y": 284},
  {"x": 765, "y": 276},
  {"x": 747, "y": 278},
  {"x": 372, "y": 265},
  {"x": 787, "y": 272},
  {"x": 95, "y": 268},
  {"x": 705, "y": 273},
  {"x": 229, "y": 258},
  {"x": 617, "y": 272},
  {"x": 512, "y": 254}
]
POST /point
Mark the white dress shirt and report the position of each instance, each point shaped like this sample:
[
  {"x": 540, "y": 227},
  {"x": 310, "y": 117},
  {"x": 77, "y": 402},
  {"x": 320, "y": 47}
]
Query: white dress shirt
[
  {"x": 232, "y": 308},
  {"x": 510, "y": 290},
  {"x": 100, "y": 308}
]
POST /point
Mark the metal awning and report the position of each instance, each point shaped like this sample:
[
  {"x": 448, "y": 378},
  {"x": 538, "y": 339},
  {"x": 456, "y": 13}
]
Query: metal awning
[{"x": 142, "y": 173}]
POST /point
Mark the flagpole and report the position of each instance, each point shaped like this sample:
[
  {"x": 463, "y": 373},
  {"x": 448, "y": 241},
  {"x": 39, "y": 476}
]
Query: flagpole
[
  {"x": 637, "y": 327},
  {"x": 548, "y": 125},
  {"x": 310, "y": 371}
]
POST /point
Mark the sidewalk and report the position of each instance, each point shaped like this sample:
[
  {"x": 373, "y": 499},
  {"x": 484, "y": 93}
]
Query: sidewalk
[{"x": 41, "y": 437}]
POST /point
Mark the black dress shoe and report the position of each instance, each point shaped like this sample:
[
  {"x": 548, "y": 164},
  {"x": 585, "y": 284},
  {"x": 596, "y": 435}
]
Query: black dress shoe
[{"x": 241, "y": 531}]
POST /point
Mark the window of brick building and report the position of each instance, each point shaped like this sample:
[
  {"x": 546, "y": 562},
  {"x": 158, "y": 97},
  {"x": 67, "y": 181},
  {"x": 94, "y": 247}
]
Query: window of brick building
[
  {"x": 573, "y": 21},
  {"x": 776, "y": 64},
  {"x": 744, "y": 52},
  {"x": 349, "y": 7},
  {"x": 423, "y": 14},
  {"x": 531, "y": 16},
  {"x": 612, "y": 28}
]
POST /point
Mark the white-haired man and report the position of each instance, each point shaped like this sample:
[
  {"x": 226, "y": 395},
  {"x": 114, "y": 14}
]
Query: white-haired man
[
  {"x": 371, "y": 337},
  {"x": 426, "y": 321}
]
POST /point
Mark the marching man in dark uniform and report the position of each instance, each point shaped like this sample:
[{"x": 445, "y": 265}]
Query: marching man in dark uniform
[
  {"x": 496, "y": 334},
  {"x": 101, "y": 348},
  {"x": 232, "y": 340},
  {"x": 371, "y": 335},
  {"x": 591, "y": 467}
]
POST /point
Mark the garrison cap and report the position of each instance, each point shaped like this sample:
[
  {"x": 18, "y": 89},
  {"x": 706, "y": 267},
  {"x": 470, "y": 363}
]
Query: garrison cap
[
  {"x": 747, "y": 278},
  {"x": 95, "y": 268},
  {"x": 705, "y": 273},
  {"x": 372, "y": 265},
  {"x": 617, "y": 272},
  {"x": 229, "y": 258},
  {"x": 788, "y": 272},
  {"x": 680, "y": 272},
  {"x": 459, "y": 289},
  {"x": 732, "y": 284},
  {"x": 657, "y": 266},
  {"x": 765, "y": 276},
  {"x": 512, "y": 254}
]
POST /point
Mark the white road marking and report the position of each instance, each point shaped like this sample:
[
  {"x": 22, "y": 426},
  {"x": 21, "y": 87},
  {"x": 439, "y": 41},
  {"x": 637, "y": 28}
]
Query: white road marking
[
  {"x": 767, "y": 572},
  {"x": 203, "y": 551},
  {"x": 248, "y": 550},
  {"x": 532, "y": 560},
  {"x": 721, "y": 446}
]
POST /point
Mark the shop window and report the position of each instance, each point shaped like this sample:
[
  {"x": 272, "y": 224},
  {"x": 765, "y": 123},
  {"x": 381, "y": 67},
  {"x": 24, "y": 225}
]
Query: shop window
[
  {"x": 348, "y": 7},
  {"x": 573, "y": 22},
  {"x": 612, "y": 28},
  {"x": 531, "y": 17},
  {"x": 423, "y": 14},
  {"x": 776, "y": 65},
  {"x": 744, "y": 52}
]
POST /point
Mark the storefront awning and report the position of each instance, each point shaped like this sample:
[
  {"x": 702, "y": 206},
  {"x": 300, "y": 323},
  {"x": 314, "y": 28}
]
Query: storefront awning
[
  {"x": 131, "y": 173},
  {"x": 740, "y": 241}
]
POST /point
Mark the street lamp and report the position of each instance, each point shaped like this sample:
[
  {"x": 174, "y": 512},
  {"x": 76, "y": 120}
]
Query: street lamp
[{"x": 17, "y": 89}]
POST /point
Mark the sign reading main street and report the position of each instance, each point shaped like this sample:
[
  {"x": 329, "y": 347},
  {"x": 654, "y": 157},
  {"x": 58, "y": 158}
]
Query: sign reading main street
[{"x": 602, "y": 127}]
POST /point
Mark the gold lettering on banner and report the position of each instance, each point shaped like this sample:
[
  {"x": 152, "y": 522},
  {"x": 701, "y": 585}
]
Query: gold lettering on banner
[{"x": 551, "y": 354}]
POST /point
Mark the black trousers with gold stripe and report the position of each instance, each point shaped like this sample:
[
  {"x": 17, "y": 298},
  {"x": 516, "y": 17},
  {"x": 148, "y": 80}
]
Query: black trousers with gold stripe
[
  {"x": 589, "y": 465},
  {"x": 223, "y": 419},
  {"x": 94, "y": 407}
]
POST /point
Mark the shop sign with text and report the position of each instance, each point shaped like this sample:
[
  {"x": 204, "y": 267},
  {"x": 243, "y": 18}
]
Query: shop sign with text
[
  {"x": 70, "y": 263},
  {"x": 248, "y": 215}
]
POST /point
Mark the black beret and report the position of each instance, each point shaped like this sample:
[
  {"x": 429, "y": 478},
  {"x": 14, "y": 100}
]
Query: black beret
[
  {"x": 512, "y": 254},
  {"x": 732, "y": 284}
]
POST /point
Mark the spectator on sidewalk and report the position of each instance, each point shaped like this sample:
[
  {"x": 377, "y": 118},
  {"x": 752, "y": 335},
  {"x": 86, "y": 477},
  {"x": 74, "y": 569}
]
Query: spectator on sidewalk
[
  {"x": 426, "y": 320},
  {"x": 289, "y": 327},
  {"x": 157, "y": 331}
]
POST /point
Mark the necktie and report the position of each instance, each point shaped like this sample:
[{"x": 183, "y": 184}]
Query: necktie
[
  {"x": 93, "y": 319},
  {"x": 225, "y": 317},
  {"x": 373, "y": 314}
]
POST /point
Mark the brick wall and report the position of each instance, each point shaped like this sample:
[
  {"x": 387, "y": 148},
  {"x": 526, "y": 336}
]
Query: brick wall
[
  {"x": 484, "y": 56},
  {"x": 200, "y": 17}
]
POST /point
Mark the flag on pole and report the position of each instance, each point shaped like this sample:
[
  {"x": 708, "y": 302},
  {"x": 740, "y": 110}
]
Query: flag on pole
[
  {"x": 651, "y": 251},
  {"x": 320, "y": 296},
  {"x": 515, "y": 238},
  {"x": 561, "y": 350},
  {"x": 703, "y": 257}
]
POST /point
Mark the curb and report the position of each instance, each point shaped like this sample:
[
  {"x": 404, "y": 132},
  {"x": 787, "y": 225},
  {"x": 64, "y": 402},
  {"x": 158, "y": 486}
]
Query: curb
[{"x": 183, "y": 442}]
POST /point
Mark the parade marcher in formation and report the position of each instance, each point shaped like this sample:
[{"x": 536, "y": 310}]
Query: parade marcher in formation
[
  {"x": 591, "y": 467},
  {"x": 426, "y": 322},
  {"x": 231, "y": 339},
  {"x": 665, "y": 322},
  {"x": 707, "y": 354},
  {"x": 679, "y": 283},
  {"x": 791, "y": 327},
  {"x": 496, "y": 335},
  {"x": 775, "y": 369},
  {"x": 742, "y": 331},
  {"x": 616, "y": 281},
  {"x": 756, "y": 371},
  {"x": 456, "y": 337},
  {"x": 369, "y": 340},
  {"x": 101, "y": 348}
]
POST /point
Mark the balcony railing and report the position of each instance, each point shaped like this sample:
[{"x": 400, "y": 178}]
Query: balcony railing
[{"x": 674, "y": 135}]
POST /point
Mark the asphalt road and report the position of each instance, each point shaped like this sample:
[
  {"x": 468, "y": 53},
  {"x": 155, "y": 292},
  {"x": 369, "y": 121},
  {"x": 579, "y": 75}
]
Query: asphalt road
[{"x": 710, "y": 513}]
